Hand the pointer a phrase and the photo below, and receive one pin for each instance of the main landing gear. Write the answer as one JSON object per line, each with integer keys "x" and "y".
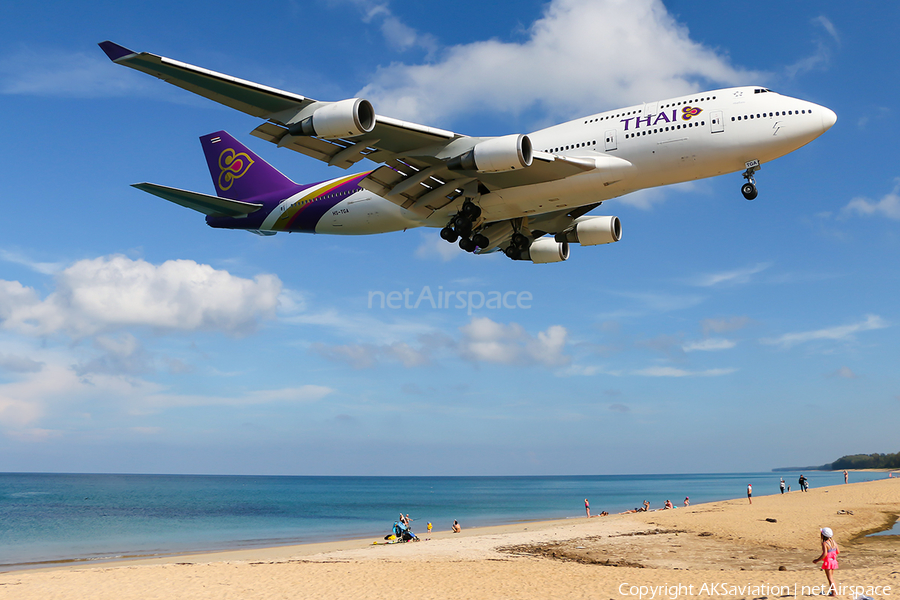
{"x": 518, "y": 244}
{"x": 749, "y": 189}
{"x": 460, "y": 227}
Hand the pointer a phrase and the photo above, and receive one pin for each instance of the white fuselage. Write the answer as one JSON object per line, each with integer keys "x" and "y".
{"x": 666, "y": 142}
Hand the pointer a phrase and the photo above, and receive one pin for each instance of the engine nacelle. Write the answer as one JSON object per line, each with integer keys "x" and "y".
{"x": 592, "y": 231}
{"x": 336, "y": 120}
{"x": 496, "y": 155}
{"x": 548, "y": 250}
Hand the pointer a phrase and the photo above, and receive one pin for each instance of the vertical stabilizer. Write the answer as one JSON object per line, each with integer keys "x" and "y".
{"x": 237, "y": 172}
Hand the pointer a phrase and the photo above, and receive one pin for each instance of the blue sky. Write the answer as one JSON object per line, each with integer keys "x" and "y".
{"x": 718, "y": 335}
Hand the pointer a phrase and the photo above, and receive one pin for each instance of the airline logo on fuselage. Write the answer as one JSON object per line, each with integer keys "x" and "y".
{"x": 687, "y": 113}
{"x": 233, "y": 165}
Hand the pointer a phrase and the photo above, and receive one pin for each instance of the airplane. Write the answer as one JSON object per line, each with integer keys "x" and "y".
{"x": 528, "y": 196}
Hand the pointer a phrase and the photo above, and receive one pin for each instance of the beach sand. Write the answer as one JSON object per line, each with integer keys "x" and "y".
{"x": 729, "y": 549}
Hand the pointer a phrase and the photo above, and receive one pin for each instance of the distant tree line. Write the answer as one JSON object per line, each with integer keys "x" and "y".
{"x": 854, "y": 461}
{"x": 867, "y": 461}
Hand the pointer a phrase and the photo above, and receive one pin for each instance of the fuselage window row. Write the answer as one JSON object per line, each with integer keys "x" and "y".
{"x": 776, "y": 114}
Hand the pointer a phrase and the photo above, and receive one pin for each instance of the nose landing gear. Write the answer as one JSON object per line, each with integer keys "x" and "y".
{"x": 749, "y": 189}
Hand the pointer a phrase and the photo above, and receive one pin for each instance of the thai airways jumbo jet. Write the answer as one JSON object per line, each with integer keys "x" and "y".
{"x": 527, "y": 195}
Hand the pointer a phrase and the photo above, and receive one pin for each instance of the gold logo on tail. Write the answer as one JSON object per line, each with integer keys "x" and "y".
{"x": 233, "y": 165}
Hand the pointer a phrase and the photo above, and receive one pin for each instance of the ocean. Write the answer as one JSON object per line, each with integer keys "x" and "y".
{"x": 48, "y": 518}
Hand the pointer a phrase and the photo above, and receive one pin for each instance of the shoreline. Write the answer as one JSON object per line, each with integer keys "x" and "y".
{"x": 356, "y": 543}
{"x": 723, "y": 549}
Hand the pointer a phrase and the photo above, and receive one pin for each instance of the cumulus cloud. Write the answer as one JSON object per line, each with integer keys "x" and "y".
{"x": 564, "y": 66}
{"x": 485, "y": 340}
{"x": 888, "y": 206}
{"x": 115, "y": 292}
{"x": 482, "y": 340}
{"x": 839, "y": 333}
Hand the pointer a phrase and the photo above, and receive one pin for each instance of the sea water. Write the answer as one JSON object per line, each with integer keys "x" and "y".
{"x": 54, "y": 518}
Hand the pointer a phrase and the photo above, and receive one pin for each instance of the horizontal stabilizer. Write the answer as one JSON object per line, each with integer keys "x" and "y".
{"x": 208, "y": 205}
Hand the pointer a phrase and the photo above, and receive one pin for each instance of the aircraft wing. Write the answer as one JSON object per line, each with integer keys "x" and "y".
{"x": 208, "y": 205}
{"x": 417, "y": 171}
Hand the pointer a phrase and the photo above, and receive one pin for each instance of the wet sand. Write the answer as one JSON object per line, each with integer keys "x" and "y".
{"x": 729, "y": 549}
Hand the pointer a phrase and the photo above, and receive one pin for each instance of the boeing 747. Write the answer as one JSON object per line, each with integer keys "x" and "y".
{"x": 526, "y": 195}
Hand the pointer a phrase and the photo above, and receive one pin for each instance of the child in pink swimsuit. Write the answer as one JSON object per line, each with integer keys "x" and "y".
{"x": 829, "y": 557}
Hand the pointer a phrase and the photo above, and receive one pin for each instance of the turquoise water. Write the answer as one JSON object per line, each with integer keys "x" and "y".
{"x": 49, "y": 518}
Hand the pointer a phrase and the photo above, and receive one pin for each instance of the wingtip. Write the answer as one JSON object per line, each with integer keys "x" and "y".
{"x": 114, "y": 51}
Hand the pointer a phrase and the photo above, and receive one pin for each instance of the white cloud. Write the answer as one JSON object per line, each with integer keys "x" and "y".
{"x": 19, "y": 364}
{"x": 581, "y": 55}
{"x": 482, "y": 341}
{"x": 485, "y": 340}
{"x": 709, "y": 345}
{"x": 115, "y": 292}
{"x": 45, "y": 268}
{"x": 395, "y": 32}
{"x": 839, "y": 333}
{"x": 888, "y": 206}
{"x": 735, "y": 276}
{"x": 433, "y": 245}
{"x": 821, "y": 56}
{"x": 366, "y": 356}
{"x": 673, "y": 372}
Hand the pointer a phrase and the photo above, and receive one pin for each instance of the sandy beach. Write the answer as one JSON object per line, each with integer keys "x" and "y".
{"x": 730, "y": 549}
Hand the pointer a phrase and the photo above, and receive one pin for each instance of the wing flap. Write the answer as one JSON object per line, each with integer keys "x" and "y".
{"x": 208, "y": 205}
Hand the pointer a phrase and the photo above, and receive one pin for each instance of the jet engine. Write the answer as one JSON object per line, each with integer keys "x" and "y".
{"x": 336, "y": 120}
{"x": 591, "y": 231}
{"x": 548, "y": 250}
{"x": 495, "y": 155}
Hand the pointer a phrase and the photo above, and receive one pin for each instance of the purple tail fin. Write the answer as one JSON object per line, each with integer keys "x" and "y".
{"x": 237, "y": 172}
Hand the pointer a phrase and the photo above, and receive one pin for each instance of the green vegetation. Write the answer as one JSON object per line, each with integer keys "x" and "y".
{"x": 867, "y": 461}
{"x": 854, "y": 461}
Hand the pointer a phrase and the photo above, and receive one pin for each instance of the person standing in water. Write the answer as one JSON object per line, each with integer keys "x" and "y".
{"x": 828, "y": 557}
{"x": 750, "y": 492}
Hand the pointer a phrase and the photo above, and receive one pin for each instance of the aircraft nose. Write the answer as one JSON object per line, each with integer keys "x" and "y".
{"x": 829, "y": 118}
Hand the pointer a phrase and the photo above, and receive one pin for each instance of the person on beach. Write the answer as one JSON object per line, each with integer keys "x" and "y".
{"x": 646, "y": 506}
{"x": 828, "y": 557}
{"x": 687, "y": 500}
{"x": 846, "y": 476}
{"x": 803, "y": 483}
{"x": 429, "y": 526}
{"x": 750, "y": 492}
{"x": 668, "y": 505}
{"x": 781, "y": 485}
{"x": 456, "y": 527}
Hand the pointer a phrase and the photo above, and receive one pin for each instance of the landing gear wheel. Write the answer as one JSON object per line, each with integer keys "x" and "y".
{"x": 472, "y": 211}
{"x": 449, "y": 235}
{"x": 520, "y": 241}
{"x": 467, "y": 244}
{"x": 512, "y": 252}
{"x": 749, "y": 191}
{"x": 462, "y": 225}
{"x": 480, "y": 240}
